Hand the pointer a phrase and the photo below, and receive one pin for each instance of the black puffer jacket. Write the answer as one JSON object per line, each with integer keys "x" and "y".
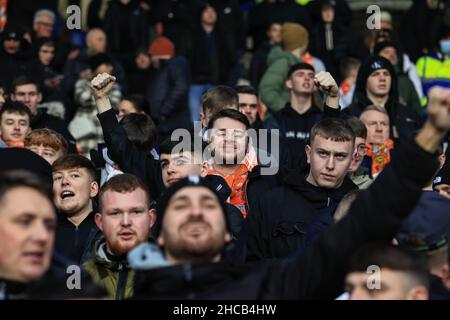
{"x": 278, "y": 224}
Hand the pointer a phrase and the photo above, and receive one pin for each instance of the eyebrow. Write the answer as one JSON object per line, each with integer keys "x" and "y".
{"x": 180, "y": 156}
{"x": 180, "y": 198}
{"x": 118, "y": 209}
{"x": 335, "y": 153}
{"x": 343, "y": 154}
{"x": 207, "y": 197}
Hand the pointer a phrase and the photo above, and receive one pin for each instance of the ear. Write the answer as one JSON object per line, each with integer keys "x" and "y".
{"x": 160, "y": 241}
{"x": 227, "y": 237}
{"x": 39, "y": 97}
{"x": 152, "y": 214}
{"x": 308, "y": 153}
{"x": 204, "y": 169}
{"x": 288, "y": 84}
{"x": 352, "y": 166}
{"x": 203, "y": 119}
{"x": 445, "y": 272}
{"x": 94, "y": 189}
{"x": 98, "y": 221}
{"x": 13, "y": 97}
{"x": 417, "y": 293}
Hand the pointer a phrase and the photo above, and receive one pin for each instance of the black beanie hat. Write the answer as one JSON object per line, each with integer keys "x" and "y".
{"x": 370, "y": 65}
{"x": 214, "y": 185}
{"x": 21, "y": 158}
{"x": 98, "y": 60}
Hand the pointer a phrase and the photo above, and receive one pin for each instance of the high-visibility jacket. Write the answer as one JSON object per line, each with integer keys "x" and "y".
{"x": 433, "y": 70}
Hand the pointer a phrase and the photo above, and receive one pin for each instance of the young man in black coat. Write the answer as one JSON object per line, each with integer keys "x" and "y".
{"x": 194, "y": 267}
{"x": 298, "y": 116}
{"x": 377, "y": 84}
{"x": 281, "y": 219}
{"x": 75, "y": 186}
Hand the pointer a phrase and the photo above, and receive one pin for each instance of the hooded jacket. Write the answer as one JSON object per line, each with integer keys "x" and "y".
{"x": 271, "y": 87}
{"x": 115, "y": 276}
{"x": 279, "y": 224}
{"x": 319, "y": 273}
{"x": 404, "y": 120}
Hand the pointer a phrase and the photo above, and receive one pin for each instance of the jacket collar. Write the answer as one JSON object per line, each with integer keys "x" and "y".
{"x": 318, "y": 196}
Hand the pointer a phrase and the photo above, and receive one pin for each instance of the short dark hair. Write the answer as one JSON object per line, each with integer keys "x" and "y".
{"x": 22, "y": 178}
{"x": 347, "y": 64}
{"x": 138, "y": 101}
{"x": 15, "y": 107}
{"x": 123, "y": 183}
{"x": 140, "y": 129}
{"x": 167, "y": 145}
{"x": 358, "y": 127}
{"x": 335, "y": 129}
{"x": 218, "y": 98}
{"x": 246, "y": 90}
{"x": 73, "y": 161}
{"x": 229, "y": 113}
{"x": 24, "y": 80}
{"x": 300, "y": 66}
{"x": 396, "y": 258}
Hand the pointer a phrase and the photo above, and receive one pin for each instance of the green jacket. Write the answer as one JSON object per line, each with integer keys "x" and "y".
{"x": 272, "y": 87}
{"x": 116, "y": 277}
{"x": 361, "y": 178}
{"x": 407, "y": 93}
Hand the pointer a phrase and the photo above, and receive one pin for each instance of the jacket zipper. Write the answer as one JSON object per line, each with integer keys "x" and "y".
{"x": 121, "y": 284}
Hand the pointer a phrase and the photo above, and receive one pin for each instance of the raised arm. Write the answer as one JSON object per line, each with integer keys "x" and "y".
{"x": 122, "y": 151}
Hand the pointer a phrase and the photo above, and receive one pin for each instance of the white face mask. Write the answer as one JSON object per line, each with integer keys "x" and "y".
{"x": 445, "y": 46}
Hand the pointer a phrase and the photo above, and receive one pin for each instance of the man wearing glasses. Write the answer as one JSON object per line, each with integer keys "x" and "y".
{"x": 235, "y": 159}
{"x": 357, "y": 173}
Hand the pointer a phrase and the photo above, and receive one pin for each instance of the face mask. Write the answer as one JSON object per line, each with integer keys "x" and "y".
{"x": 445, "y": 46}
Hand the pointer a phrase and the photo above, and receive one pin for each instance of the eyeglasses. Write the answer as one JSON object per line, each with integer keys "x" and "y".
{"x": 362, "y": 149}
{"x": 234, "y": 133}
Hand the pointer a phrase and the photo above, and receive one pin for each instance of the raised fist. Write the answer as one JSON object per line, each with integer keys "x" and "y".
{"x": 439, "y": 108}
{"x": 325, "y": 82}
{"x": 102, "y": 84}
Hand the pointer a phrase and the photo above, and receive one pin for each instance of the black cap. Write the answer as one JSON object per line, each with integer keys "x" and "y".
{"x": 21, "y": 158}
{"x": 214, "y": 184}
{"x": 12, "y": 33}
{"x": 427, "y": 227}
